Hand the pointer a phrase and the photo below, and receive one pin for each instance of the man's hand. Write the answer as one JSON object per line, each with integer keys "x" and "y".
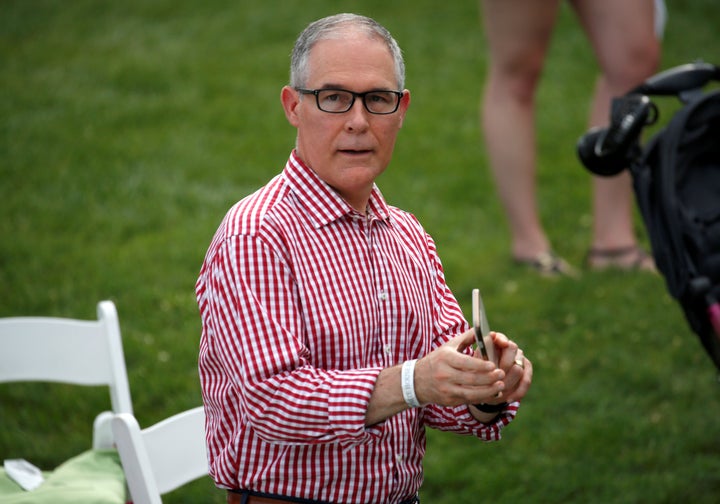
{"x": 518, "y": 369}
{"x": 448, "y": 376}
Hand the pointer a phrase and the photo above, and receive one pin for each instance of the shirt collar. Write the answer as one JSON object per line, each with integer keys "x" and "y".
{"x": 322, "y": 202}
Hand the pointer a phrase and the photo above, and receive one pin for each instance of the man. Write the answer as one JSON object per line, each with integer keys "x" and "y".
{"x": 330, "y": 339}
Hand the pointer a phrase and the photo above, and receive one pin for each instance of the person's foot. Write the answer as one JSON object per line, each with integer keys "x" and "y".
{"x": 548, "y": 264}
{"x": 630, "y": 258}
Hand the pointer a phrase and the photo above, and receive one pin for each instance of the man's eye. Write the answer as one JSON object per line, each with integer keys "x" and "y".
{"x": 335, "y": 97}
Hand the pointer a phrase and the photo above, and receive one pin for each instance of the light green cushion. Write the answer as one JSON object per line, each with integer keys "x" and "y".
{"x": 93, "y": 477}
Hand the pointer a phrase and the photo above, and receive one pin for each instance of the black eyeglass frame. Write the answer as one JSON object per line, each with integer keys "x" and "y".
{"x": 316, "y": 92}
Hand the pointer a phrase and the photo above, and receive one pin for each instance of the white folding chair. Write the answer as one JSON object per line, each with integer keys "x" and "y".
{"x": 71, "y": 351}
{"x": 162, "y": 457}
{"x": 81, "y": 352}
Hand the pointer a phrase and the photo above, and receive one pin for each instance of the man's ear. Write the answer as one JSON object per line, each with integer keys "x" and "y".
{"x": 290, "y": 100}
{"x": 404, "y": 104}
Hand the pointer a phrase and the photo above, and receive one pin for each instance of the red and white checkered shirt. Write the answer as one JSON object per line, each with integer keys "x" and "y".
{"x": 303, "y": 302}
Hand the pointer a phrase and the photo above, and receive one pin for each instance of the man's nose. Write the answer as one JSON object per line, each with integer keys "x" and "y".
{"x": 357, "y": 115}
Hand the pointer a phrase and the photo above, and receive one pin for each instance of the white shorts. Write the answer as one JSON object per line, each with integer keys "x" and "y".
{"x": 660, "y": 18}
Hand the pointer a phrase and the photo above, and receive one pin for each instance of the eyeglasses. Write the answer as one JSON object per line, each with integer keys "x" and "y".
{"x": 337, "y": 101}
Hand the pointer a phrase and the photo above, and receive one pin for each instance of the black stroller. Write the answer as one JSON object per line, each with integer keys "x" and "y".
{"x": 676, "y": 180}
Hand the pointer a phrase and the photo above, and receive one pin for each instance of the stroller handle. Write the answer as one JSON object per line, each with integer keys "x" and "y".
{"x": 679, "y": 79}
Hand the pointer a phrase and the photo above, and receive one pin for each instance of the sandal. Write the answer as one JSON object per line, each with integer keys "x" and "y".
{"x": 630, "y": 258}
{"x": 549, "y": 264}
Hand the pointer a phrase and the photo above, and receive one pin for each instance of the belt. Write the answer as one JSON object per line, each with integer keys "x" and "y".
{"x": 247, "y": 497}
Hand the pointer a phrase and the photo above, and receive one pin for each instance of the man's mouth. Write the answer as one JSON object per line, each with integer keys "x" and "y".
{"x": 355, "y": 152}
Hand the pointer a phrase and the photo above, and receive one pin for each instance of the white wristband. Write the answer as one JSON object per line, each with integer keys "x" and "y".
{"x": 407, "y": 380}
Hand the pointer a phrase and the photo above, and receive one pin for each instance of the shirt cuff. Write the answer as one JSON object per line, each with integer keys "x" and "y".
{"x": 493, "y": 431}
{"x": 350, "y": 393}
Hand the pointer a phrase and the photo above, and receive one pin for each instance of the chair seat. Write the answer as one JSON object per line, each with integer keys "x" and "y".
{"x": 93, "y": 477}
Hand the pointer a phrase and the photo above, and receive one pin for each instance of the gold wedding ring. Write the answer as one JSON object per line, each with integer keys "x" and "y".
{"x": 520, "y": 362}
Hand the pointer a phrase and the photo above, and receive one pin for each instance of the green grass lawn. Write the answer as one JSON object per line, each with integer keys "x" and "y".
{"x": 128, "y": 128}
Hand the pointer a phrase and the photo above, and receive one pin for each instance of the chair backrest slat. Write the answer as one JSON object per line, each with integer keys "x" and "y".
{"x": 80, "y": 352}
{"x": 162, "y": 457}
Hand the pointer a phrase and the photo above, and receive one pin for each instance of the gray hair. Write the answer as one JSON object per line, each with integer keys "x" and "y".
{"x": 334, "y": 27}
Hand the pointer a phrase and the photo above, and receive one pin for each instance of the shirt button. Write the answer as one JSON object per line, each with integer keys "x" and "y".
{"x": 399, "y": 458}
{"x": 388, "y": 349}
{"x": 383, "y": 295}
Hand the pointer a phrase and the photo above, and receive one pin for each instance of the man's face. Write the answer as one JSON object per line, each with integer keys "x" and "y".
{"x": 348, "y": 150}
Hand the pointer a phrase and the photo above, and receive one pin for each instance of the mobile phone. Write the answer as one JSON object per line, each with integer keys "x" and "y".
{"x": 482, "y": 328}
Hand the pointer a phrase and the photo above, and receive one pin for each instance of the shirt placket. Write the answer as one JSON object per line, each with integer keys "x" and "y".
{"x": 387, "y": 328}
{"x": 387, "y": 333}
